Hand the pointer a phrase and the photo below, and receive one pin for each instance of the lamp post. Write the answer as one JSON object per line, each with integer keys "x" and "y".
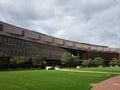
{"x": 45, "y": 62}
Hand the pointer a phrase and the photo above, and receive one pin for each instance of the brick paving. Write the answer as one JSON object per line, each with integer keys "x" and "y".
{"x": 109, "y": 84}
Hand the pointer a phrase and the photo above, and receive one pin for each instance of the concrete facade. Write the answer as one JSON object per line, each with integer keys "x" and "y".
{"x": 16, "y": 41}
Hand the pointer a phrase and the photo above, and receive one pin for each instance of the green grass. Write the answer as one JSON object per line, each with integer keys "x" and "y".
{"x": 48, "y": 80}
{"x": 100, "y": 69}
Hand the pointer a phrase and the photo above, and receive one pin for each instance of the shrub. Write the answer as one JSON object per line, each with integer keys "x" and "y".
{"x": 39, "y": 61}
{"x": 114, "y": 62}
{"x": 68, "y": 59}
{"x": 18, "y": 61}
{"x": 98, "y": 61}
{"x": 88, "y": 63}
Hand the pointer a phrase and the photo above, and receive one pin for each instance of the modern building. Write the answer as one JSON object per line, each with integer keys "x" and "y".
{"x": 16, "y": 41}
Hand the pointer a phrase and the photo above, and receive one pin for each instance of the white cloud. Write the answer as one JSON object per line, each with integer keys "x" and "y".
{"x": 90, "y": 21}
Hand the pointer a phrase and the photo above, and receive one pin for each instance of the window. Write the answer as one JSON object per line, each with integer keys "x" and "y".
{"x": 23, "y": 33}
{"x": 1, "y": 27}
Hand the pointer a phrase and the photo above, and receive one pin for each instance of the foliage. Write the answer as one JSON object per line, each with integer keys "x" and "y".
{"x": 3, "y": 62}
{"x": 88, "y": 63}
{"x": 18, "y": 60}
{"x": 114, "y": 62}
{"x": 68, "y": 59}
{"x": 1, "y": 55}
{"x": 39, "y": 61}
{"x": 98, "y": 61}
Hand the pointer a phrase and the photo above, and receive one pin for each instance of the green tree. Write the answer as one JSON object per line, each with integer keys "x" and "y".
{"x": 19, "y": 61}
{"x": 39, "y": 61}
{"x": 2, "y": 61}
{"x": 88, "y": 63}
{"x": 68, "y": 59}
{"x": 1, "y": 55}
{"x": 98, "y": 61}
{"x": 75, "y": 60}
{"x": 114, "y": 62}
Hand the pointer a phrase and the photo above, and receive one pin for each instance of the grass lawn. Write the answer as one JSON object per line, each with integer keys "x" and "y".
{"x": 100, "y": 69}
{"x": 49, "y": 80}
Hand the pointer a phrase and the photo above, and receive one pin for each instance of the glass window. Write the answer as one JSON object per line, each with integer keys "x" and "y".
{"x": 1, "y": 27}
{"x": 23, "y": 33}
{"x": 0, "y": 39}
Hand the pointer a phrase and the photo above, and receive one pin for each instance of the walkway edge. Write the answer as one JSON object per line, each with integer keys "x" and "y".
{"x": 88, "y": 71}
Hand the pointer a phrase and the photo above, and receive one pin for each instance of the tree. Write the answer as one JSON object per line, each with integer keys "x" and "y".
{"x": 98, "y": 61}
{"x": 1, "y": 55}
{"x": 68, "y": 59}
{"x": 114, "y": 62}
{"x": 88, "y": 63}
{"x": 2, "y": 61}
{"x": 75, "y": 60}
{"x": 39, "y": 61}
{"x": 18, "y": 61}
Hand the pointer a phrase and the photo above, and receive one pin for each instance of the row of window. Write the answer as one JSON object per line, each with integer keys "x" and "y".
{"x": 24, "y": 43}
{"x": 10, "y": 51}
{"x": 18, "y": 47}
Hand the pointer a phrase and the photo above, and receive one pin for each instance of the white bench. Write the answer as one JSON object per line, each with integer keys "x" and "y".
{"x": 49, "y": 67}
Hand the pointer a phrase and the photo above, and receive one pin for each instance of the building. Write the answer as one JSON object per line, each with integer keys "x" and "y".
{"x": 16, "y": 41}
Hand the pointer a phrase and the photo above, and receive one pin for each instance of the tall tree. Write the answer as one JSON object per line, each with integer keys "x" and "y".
{"x": 88, "y": 63}
{"x": 98, "y": 61}
{"x": 39, "y": 61}
{"x": 68, "y": 59}
{"x": 1, "y": 55}
{"x": 2, "y": 61}
{"x": 114, "y": 62}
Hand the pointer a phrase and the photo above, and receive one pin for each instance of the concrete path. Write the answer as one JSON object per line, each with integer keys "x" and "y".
{"x": 89, "y": 71}
{"x": 109, "y": 84}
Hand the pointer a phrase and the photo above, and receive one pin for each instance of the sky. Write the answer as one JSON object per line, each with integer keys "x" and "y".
{"x": 87, "y": 21}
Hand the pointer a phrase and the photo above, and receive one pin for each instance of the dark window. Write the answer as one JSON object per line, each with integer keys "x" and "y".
{"x": 17, "y": 41}
{"x": 20, "y": 42}
{"x": 27, "y": 43}
{"x": 6, "y": 40}
{"x": 1, "y": 27}
{"x": 0, "y": 39}
{"x": 23, "y": 33}
{"x": 3, "y": 39}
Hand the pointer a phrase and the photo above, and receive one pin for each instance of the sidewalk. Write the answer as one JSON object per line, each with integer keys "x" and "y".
{"x": 109, "y": 84}
{"x": 68, "y": 70}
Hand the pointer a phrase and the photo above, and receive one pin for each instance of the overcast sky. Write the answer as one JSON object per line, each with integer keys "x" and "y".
{"x": 87, "y": 21}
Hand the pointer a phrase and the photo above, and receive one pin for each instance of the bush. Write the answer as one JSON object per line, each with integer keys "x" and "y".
{"x": 1, "y": 55}
{"x": 39, "y": 61}
{"x": 68, "y": 59}
{"x": 18, "y": 61}
{"x": 98, "y": 61}
{"x": 88, "y": 63}
{"x": 114, "y": 62}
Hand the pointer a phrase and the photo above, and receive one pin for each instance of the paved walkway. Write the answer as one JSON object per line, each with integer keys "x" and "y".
{"x": 89, "y": 71}
{"x": 109, "y": 84}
